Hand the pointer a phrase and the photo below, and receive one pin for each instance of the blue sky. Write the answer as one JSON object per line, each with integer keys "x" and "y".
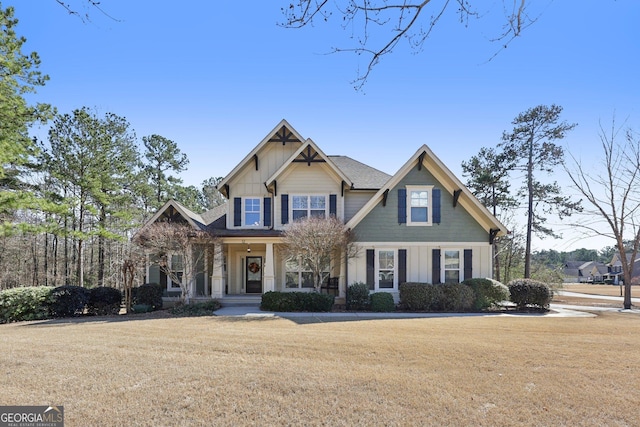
{"x": 216, "y": 77}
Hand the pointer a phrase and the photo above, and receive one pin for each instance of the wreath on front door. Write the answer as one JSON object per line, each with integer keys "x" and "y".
{"x": 254, "y": 267}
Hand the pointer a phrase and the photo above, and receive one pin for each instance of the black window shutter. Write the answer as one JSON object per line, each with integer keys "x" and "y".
{"x": 333, "y": 205}
{"x": 402, "y": 266}
{"x": 284, "y": 208}
{"x": 266, "y": 218}
{"x": 371, "y": 269}
{"x": 435, "y": 266}
{"x": 468, "y": 264}
{"x": 435, "y": 195}
{"x": 402, "y": 206}
{"x": 237, "y": 212}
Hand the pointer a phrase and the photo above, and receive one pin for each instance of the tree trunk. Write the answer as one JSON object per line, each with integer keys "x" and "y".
{"x": 101, "y": 244}
{"x": 527, "y": 253}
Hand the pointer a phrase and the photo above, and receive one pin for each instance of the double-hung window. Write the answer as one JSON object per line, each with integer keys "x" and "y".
{"x": 308, "y": 206}
{"x": 252, "y": 212}
{"x": 177, "y": 271}
{"x": 419, "y": 205}
{"x": 386, "y": 268}
{"x": 297, "y": 276}
{"x": 452, "y": 266}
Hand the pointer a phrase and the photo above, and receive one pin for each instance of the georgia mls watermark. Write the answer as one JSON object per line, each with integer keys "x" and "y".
{"x": 31, "y": 416}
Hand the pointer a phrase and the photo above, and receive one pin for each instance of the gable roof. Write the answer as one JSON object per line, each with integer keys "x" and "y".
{"x": 170, "y": 208}
{"x": 362, "y": 177}
{"x": 308, "y": 152}
{"x": 283, "y": 132}
{"x": 424, "y": 157}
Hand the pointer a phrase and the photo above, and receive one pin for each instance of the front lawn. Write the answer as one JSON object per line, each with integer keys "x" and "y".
{"x": 493, "y": 371}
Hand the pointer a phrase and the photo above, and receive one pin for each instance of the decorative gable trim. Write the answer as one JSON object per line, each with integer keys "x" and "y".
{"x": 308, "y": 153}
{"x": 446, "y": 180}
{"x": 284, "y": 135}
{"x": 283, "y": 132}
{"x": 193, "y": 219}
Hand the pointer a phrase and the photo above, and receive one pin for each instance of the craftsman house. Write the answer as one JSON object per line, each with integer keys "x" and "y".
{"x": 420, "y": 224}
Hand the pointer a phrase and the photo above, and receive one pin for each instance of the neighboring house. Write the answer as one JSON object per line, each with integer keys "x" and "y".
{"x": 615, "y": 275}
{"x": 584, "y": 271}
{"x": 419, "y": 225}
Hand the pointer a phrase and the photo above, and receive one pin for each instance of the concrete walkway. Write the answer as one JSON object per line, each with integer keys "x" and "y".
{"x": 556, "y": 310}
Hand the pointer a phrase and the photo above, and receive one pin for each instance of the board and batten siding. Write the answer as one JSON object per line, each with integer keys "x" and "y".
{"x": 381, "y": 223}
{"x": 249, "y": 182}
{"x": 301, "y": 179}
{"x": 420, "y": 261}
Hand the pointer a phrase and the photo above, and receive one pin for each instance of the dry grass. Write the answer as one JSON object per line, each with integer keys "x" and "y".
{"x": 609, "y": 290}
{"x": 485, "y": 371}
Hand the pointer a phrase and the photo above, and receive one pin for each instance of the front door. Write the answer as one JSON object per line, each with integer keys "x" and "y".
{"x": 254, "y": 275}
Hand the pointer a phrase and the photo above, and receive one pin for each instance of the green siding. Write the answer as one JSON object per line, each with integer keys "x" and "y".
{"x": 381, "y": 224}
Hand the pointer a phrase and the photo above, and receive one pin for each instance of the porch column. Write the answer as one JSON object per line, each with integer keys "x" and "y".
{"x": 269, "y": 271}
{"x": 342, "y": 280}
{"x": 217, "y": 276}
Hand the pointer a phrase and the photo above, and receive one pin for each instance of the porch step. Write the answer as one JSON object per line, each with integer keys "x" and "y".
{"x": 244, "y": 300}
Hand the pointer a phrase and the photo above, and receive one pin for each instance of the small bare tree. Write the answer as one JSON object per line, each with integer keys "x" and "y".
{"x": 316, "y": 243}
{"x": 165, "y": 239}
{"x": 613, "y": 192}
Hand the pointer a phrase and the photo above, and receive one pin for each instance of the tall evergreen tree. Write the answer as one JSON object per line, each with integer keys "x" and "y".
{"x": 93, "y": 160}
{"x": 19, "y": 76}
{"x": 163, "y": 156}
{"x": 531, "y": 145}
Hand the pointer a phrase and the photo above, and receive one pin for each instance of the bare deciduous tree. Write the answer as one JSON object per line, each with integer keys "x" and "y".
{"x": 167, "y": 239}
{"x": 379, "y": 25}
{"x": 317, "y": 243}
{"x": 613, "y": 193}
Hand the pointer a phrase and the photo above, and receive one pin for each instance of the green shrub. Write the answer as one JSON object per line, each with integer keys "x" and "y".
{"x": 420, "y": 296}
{"x": 530, "y": 293}
{"x": 141, "y": 308}
{"x": 148, "y": 294}
{"x": 358, "y": 296}
{"x": 104, "y": 301}
{"x": 31, "y": 303}
{"x": 69, "y": 300}
{"x": 456, "y": 297}
{"x": 487, "y": 293}
{"x": 296, "y": 301}
{"x": 382, "y": 302}
{"x": 196, "y": 309}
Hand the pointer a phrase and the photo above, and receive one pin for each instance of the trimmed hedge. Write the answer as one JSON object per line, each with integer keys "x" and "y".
{"x": 148, "y": 294}
{"x": 488, "y": 293}
{"x": 197, "y": 309}
{"x": 104, "y": 301}
{"x": 25, "y": 303}
{"x": 526, "y": 293}
{"x": 440, "y": 297}
{"x": 420, "y": 296}
{"x": 69, "y": 301}
{"x": 456, "y": 297}
{"x": 357, "y": 297}
{"x": 382, "y": 302}
{"x": 296, "y": 301}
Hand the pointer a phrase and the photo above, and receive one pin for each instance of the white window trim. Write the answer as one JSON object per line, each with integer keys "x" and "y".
{"x": 444, "y": 268}
{"x": 376, "y": 261}
{"x": 244, "y": 211}
{"x": 429, "y": 190}
{"x": 299, "y": 271}
{"x": 308, "y": 196}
